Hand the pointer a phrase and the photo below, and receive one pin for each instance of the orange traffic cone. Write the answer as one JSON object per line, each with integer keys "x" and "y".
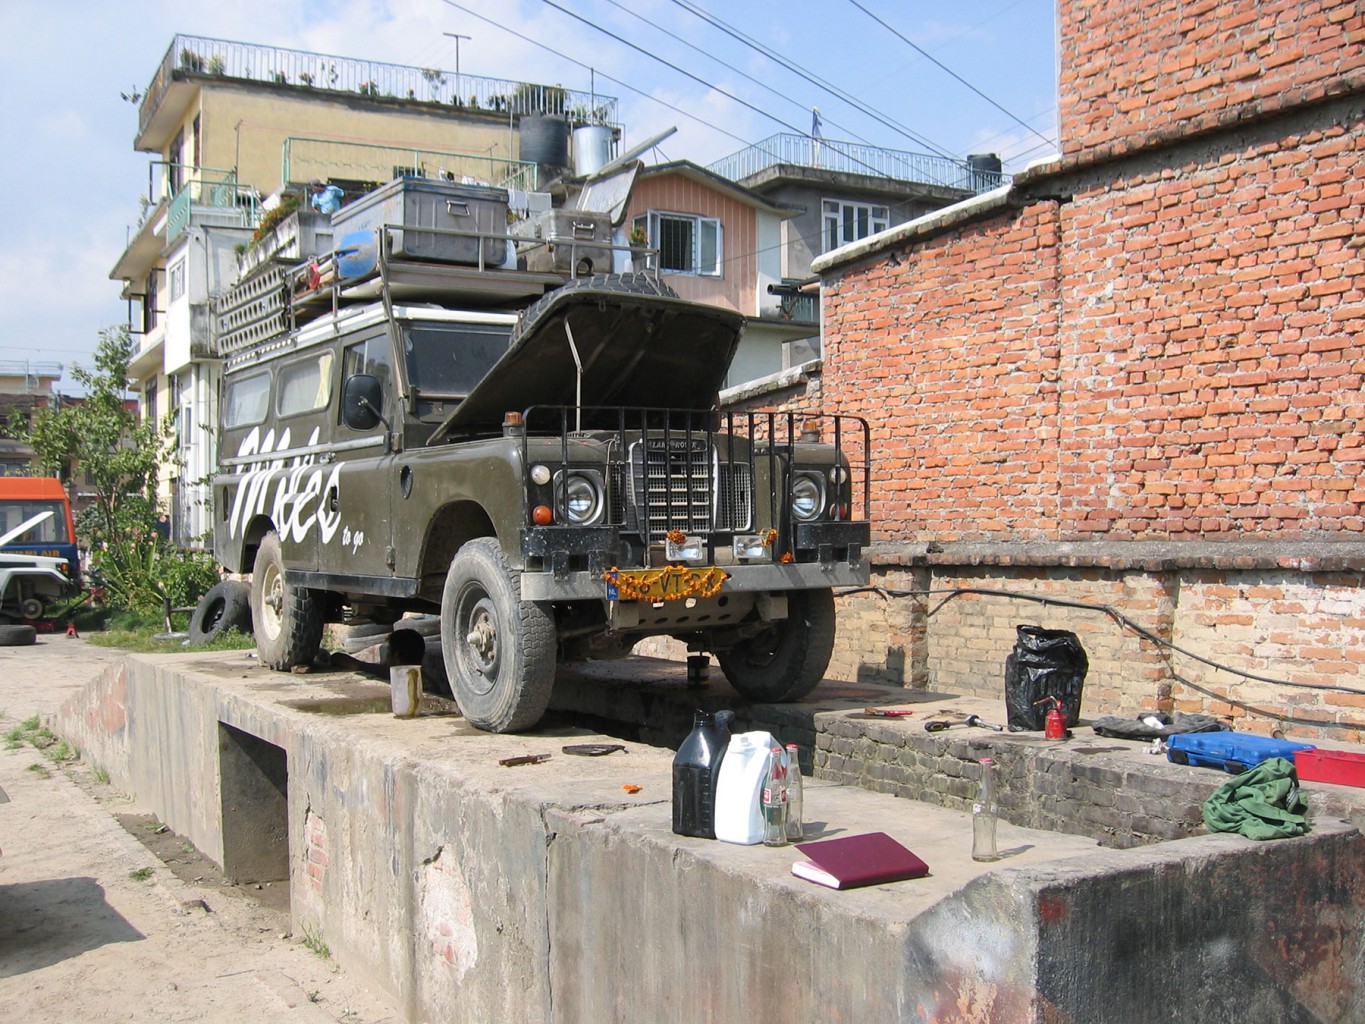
{"x": 71, "y": 630}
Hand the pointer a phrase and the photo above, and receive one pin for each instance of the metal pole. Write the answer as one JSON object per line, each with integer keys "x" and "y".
{"x": 457, "y": 37}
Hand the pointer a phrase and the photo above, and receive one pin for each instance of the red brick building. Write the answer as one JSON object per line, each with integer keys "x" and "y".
{"x": 1134, "y": 379}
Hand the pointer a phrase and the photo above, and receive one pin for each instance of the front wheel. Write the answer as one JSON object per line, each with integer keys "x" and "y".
{"x": 499, "y": 650}
{"x": 788, "y": 659}
{"x": 286, "y": 619}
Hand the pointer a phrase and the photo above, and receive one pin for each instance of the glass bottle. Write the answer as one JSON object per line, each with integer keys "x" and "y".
{"x": 984, "y": 814}
{"x": 775, "y": 799}
{"x": 794, "y": 796}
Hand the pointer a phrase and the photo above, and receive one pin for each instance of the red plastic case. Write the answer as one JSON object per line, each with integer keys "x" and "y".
{"x": 1338, "y": 766}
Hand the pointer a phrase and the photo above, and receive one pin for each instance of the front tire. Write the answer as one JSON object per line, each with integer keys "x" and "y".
{"x": 287, "y": 619}
{"x": 499, "y": 650}
{"x": 787, "y": 660}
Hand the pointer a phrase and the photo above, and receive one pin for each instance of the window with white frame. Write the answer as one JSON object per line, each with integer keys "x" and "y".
{"x": 848, "y": 222}
{"x": 687, "y": 244}
{"x": 177, "y": 275}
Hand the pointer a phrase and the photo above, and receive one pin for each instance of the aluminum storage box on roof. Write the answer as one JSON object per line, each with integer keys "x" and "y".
{"x": 561, "y": 241}
{"x": 432, "y": 221}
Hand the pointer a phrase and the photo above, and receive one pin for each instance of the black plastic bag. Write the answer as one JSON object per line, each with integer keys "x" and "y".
{"x": 1045, "y": 663}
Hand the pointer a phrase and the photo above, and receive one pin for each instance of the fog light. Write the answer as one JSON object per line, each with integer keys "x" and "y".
{"x": 751, "y": 545}
{"x": 688, "y": 549}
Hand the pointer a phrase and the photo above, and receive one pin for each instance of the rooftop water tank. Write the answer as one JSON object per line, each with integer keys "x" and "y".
{"x": 591, "y": 149}
{"x": 545, "y": 141}
{"x": 984, "y": 170}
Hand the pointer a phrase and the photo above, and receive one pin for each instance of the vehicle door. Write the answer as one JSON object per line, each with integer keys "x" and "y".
{"x": 305, "y": 385}
{"x": 360, "y": 491}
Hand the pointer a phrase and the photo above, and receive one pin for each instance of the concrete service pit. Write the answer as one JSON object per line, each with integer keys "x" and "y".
{"x": 550, "y": 892}
{"x": 254, "y": 787}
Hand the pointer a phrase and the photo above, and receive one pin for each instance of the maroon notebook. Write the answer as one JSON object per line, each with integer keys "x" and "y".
{"x": 851, "y": 861}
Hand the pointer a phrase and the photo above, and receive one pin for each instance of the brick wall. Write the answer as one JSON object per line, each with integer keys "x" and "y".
{"x": 1213, "y": 340}
{"x": 950, "y": 349}
{"x": 1133, "y": 71}
{"x": 1159, "y": 339}
{"x": 1177, "y": 352}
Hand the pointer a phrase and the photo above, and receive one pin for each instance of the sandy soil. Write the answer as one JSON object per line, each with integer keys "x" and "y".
{"x": 102, "y": 922}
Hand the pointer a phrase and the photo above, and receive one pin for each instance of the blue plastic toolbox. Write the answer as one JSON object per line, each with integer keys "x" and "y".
{"x": 1233, "y": 752}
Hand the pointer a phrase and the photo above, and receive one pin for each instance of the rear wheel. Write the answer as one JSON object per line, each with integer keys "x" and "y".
{"x": 787, "y": 660}
{"x": 499, "y": 650}
{"x": 287, "y": 619}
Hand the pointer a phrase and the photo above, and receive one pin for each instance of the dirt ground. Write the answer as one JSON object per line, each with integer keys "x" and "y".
{"x": 105, "y": 915}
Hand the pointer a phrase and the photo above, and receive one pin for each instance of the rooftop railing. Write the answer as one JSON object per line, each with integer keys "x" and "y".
{"x": 304, "y": 70}
{"x": 855, "y": 158}
{"x": 305, "y": 158}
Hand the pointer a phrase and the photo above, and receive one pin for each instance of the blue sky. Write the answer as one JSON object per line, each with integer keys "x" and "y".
{"x": 72, "y": 200}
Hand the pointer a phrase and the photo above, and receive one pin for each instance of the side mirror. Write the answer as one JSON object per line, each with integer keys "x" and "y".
{"x": 361, "y": 399}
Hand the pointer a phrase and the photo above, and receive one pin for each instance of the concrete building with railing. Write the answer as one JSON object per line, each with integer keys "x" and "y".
{"x": 225, "y": 125}
{"x": 829, "y": 193}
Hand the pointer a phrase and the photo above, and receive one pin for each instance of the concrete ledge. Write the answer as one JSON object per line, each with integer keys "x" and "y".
{"x": 470, "y": 891}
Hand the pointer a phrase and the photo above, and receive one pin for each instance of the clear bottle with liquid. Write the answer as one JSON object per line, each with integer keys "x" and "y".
{"x": 795, "y": 800}
{"x": 774, "y": 798}
{"x": 985, "y": 812}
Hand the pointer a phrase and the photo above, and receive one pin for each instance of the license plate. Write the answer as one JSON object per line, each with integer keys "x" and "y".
{"x": 671, "y": 583}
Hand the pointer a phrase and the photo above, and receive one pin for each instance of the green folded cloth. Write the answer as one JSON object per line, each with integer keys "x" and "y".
{"x": 1263, "y": 803}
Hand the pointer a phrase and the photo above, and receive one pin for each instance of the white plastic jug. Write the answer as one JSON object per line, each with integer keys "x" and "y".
{"x": 739, "y": 809}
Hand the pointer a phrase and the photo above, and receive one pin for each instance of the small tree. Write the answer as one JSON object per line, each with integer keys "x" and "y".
{"x": 120, "y": 456}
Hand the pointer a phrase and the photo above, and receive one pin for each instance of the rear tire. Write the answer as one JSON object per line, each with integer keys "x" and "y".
{"x": 499, "y": 650}
{"x": 787, "y": 660}
{"x": 287, "y": 619}
{"x": 227, "y": 605}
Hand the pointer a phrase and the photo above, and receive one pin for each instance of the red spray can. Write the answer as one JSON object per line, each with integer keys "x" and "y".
{"x": 1055, "y": 726}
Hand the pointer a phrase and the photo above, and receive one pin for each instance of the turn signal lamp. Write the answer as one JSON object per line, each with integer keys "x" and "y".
{"x": 542, "y": 516}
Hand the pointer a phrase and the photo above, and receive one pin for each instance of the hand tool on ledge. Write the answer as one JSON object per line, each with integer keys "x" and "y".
{"x": 939, "y": 724}
{"x": 882, "y": 713}
{"x": 512, "y": 762}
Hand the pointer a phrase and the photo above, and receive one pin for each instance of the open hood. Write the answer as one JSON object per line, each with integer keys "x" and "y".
{"x": 635, "y": 350}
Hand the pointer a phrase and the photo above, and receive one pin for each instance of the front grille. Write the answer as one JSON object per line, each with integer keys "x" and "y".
{"x": 680, "y": 485}
{"x": 671, "y": 485}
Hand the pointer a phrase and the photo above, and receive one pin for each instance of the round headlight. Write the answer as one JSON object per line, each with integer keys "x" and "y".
{"x": 808, "y": 497}
{"x": 582, "y": 499}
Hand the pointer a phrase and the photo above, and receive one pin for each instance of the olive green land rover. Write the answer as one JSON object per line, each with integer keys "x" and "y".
{"x": 558, "y": 485}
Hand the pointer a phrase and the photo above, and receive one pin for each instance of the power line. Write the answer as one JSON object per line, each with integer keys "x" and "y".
{"x": 710, "y": 85}
{"x": 730, "y": 67}
{"x": 815, "y": 80}
{"x": 939, "y": 64}
{"x": 599, "y": 73}
{"x": 625, "y": 85}
{"x": 645, "y": 95}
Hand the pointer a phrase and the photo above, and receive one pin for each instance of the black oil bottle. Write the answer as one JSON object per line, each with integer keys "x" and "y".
{"x": 696, "y": 767}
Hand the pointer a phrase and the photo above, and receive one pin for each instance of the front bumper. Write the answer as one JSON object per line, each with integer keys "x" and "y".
{"x": 587, "y": 586}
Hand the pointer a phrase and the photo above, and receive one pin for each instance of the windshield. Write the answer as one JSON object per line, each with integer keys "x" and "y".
{"x": 449, "y": 359}
{"x": 51, "y": 530}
